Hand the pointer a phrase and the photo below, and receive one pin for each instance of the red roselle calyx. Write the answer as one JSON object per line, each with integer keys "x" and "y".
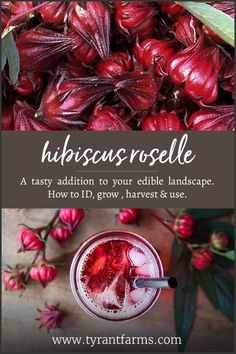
{"x": 202, "y": 259}
{"x": 106, "y": 119}
{"x": 82, "y": 51}
{"x": 184, "y": 225}
{"x": 13, "y": 278}
{"x": 198, "y": 70}
{"x": 213, "y": 119}
{"x": 29, "y": 241}
{"x": 155, "y": 52}
{"x": 50, "y": 317}
{"x": 172, "y": 9}
{"x": 60, "y": 234}
{"x": 127, "y": 216}
{"x": 227, "y": 75}
{"x": 65, "y": 100}
{"x": 53, "y": 12}
{"x": 162, "y": 122}
{"x": 21, "y": 11}
{"x": 71, "y": 217}
{"x": 185, "y": 29}
{"x": 7, "y": 118}
{"x": 137, "y": 89}
{"x": 43, "y": 272}
{"x": 40, "y": 48}
{"x": 219, "y": 241}
{"x": 135, "y": 19}
{"x": 92, "y": 21}
{"x": 118, "y": 63}
{"x": 28, "y": 82}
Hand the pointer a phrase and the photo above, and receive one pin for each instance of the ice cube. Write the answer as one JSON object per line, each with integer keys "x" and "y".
{"x": 137, "y": 257}
{"x": 143, "y": 270}
{"x": 137, "y": 295}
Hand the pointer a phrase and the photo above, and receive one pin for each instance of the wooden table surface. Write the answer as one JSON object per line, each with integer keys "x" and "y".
{"x": 212, "y": 332}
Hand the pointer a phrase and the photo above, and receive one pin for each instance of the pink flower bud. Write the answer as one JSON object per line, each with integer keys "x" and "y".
{"x": 13, "y": 278}
{"x": 40, "y": 48}
{"x": 28, "y": 82}
{"x": 221, "y": 118}
{"x": 65, "y": 100}
{"x": 29, "y": 241}
{"x": 185, "y": 29}
{"x": 53, "y": 12}
{"x": 137, "y": 89}
{"x": 155, "y": 52}
{"x": 135, "y": 19}
{"x": 184, "y": 225}
{"x": 162, "y": 122}
{"x": 82, "y": 51}
{"x": 60, "y": 234}
{"x": 50, "y": 317}
{"x": 106, "y": 119}
{"x": 202, "y": 259}
{"x": 127, "y": 216}
{"x": 43, "y": 272}
{"x": 219, "y": 241}
{"x": 71, "y": 217}
{"x": 92, "y": 21}
{"x": 118, "y": 63}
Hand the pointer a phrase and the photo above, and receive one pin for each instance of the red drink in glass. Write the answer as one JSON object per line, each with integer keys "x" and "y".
{"x": 103, "y": 270}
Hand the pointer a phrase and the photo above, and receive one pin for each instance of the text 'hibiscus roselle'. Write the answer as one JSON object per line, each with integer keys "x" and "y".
{"x": 139, "y": 58}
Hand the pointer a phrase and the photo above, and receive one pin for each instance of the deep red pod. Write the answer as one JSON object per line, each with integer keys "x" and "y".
{"x": 172, "y": 9}
{"x": 227, "y": 75}
{"x": 82, "y": 51}
{"x": 21, "y": 11}
{"x": 155, "y": 52}
{"x": 184, "y": 226}
{"x": 28, "y": 82}
{"x": 202, "y": 259}
{"x": 92, "y": 21}
{"x": 137, "y": 89}
{"x": 7, "y": 117}
{"x": 40, "y": 48}
{"x": 50, "y": 317}
{"x": 219, "y": 119}
{"x": 162, "y": 122}
{"x": 105, "y": 118}
{"x": 74, "y": 68}
{"x": 135, "y": 19}
{"x": 185, "y": 29}
{"x": 118, "y": 63}
{"x": 53, "y": 12}
{"x": 65, "y": 100}
{"x": 127, "y": 216}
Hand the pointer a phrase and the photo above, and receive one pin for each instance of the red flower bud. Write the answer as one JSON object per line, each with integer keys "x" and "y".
{"x": 137, "y": 89}
{"x": 135, "y": 19}
{"x": 71, "y": 217}
{"x": 65, "y": 100}
{"x": 184, "y": 225}
{"x": 28, "y": 82}
{"x": 92, "y": 21}
{"x": 7, "y": 117}
{"x": 221, "y": 118}
{"x": 118, "y": 63}
{"x": 219, "y": 241}
{"x": 13, "y": 278}
{"x": 40, "y": 48}
{"x": 74, "y": 68}
{"x": 185, "y": 29}
{"x": 198, "y": 71}
{"x": 127, "y": 216}
{"x": 82, "y": 51}
{"x": 43, "y": 272}
{"x": 155, "y": 52}
{"x": 227, "y": 75}
{"x": 50, "y": 317}
{"x": 21, "y": 11}
{"x": 29, "y": 241}
{"x": 53, "y": 12}
{"x": 60, "y": 234}
{"x": 106, "y": 119}
{"x": 172, "y": 9}
{"x": 162, "y": 121}
{"x": 202, "y": 259}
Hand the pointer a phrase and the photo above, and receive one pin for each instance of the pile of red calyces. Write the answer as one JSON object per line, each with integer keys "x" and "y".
{"x": 117, "y": 66}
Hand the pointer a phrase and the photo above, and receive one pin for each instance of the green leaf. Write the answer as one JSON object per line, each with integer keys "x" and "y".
{"x": 219, "y": 22}
{"x": 207, "y": 283}
{"x": 185, "y": 302}
{"x": 10, "y": 55}
{"x": 230, "y": 255}
{"x": 207, "y": 213}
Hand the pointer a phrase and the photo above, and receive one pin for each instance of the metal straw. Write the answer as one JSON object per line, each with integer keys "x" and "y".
{"x": 155, "y": 283}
